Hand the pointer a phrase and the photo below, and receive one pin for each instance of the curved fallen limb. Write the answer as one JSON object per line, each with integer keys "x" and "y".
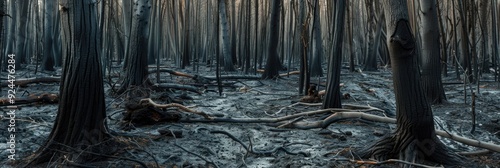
{"x": 267, "y": 120}
{"x": 149, "y": 102}
{"x": 345, "y": 115}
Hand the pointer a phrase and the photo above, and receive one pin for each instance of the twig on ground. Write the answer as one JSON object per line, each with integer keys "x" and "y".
{"x": 290, "y": 122}
{"x": 479, "y": 152}
{"x": 258, "y": 152}
{"x": 197, "y": 155}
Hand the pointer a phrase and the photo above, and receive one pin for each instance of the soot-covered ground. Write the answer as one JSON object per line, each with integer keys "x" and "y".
{"x": 207, "y": 144}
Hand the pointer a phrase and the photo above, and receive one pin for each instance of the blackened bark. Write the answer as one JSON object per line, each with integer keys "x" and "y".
{"x": 303, "y": 39}
{"x": 48, "y": 54}
{"x": 226, "y": 51}
{"x": 317, "y": 48}
{"x": 186, "y": 55}
{"x": 22, "y": 12}
{"x": 431, "y": 55}
{"x": 80, "y": 122}
{"x": 415, "y": 137}
{"x": 332, "y": 97}
{"x": 136, "y": 68}
{"x": 273, "y": 64}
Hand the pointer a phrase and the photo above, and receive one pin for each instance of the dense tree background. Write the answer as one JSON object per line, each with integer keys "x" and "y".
{"x": 467, "y": 35}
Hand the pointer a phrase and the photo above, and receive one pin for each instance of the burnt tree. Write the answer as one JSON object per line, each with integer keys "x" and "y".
{"x": 332, "y": 97}
{"x": 80, "y": 123}
{"x": 415, "y": 137}
{"x": 136, "y": 68}
{"x": 48, "y": 36}
{"x": 273, "y": 63}
{"x": 317, "y": 48}
{"x": 431, "y": 55}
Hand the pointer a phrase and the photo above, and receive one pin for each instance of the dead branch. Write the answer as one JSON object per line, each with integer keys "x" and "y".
{"x": 345, "y": 115}
{"x": 207, "y": 79}
{"x": 234, "y": 77}
{"x": 46, "y": 98}
{"x": 172, "y": 72}
{"x": 283, "y": 74}
{"x": 26, "y": 81}
{"x": 149, "y": 102}
{"x": 341, "y": 114}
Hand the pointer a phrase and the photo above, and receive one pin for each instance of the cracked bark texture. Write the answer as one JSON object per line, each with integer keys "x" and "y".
{"x": 414, "y": 139}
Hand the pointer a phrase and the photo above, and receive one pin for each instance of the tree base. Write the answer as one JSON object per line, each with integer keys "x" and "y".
{"x": 55, "y": 153}
{"x": 411, "y": 149}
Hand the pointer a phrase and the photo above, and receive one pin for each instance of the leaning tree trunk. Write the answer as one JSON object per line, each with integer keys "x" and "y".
{"x": 332, "y": 97}
{"x": 273, "y": 63}
{"x": 431, "y": 56}
{"x": 136, "y": 68}
{"x": 80, "y": 122}
{"x": 415, "y": 137}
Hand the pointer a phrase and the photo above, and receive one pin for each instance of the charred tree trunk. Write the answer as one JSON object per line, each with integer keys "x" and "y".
{"x": 228, "y": 59}
{"x": 136, "y": 68}
{"x": 303, "y": 38}
{"x": 48, "y": 57}
{"x": 332, "y": 97}
{"x": 186, "y": 54}
{"x": 494, "y": 33}
{"x": 317, "y": 43}
{"x": 80, "y": 122}
{"x": 273, "y": 64}
{"x": 431, "y": 56}
{"x": 465, "y": 48}
{"x": 415, "y": 137}
{"x": 21, "y": 26}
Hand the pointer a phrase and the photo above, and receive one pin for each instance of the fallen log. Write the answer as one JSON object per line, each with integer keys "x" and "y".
{"x": 207, "y": 79}
{"x": 24, "y": 82}
{"x": 172, "y": 72}
{"x": 283, "y": 74}
{"x": 46, "y": 98}
{"x": 234, "y": 77}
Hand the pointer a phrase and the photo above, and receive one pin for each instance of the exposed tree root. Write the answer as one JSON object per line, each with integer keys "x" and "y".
{"x": 410, "y": 149}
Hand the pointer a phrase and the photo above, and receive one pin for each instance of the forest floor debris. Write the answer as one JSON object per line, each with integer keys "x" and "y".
{"x": 191, "y": 142}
